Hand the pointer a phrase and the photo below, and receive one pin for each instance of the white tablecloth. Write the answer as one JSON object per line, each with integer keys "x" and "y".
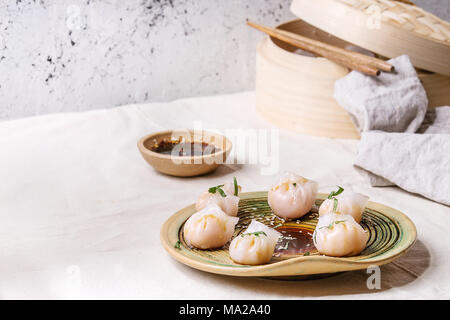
{"x": 81, "y": 211}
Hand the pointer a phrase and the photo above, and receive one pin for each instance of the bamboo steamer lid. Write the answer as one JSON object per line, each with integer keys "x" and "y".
{"x": 386, "y": 27}
{"x": 295, "y": 91}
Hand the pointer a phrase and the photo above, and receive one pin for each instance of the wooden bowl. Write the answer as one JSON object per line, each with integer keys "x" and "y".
{"x": 391, "y": 234}
{"x": 185, "y": 166}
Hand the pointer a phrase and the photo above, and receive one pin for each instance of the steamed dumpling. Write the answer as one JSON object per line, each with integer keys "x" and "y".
{"x": 228, "y": 203}
{"x": 255, "y": 245}
{"x": 293, "y": 196}
{"x": 348, "y": 203}
{"x": 339, "y": 235}
{"x": 209, "y": 228}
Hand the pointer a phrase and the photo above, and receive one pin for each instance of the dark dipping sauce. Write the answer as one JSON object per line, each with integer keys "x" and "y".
{"x": 299, "y": 241}
{"x": 184, "y": 149}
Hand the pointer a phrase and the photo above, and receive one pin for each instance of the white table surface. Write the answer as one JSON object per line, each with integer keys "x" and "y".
{"x": 81, "y": 210}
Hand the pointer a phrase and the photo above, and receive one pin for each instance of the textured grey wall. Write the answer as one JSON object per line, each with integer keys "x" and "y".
{"x": 71, "y": 55}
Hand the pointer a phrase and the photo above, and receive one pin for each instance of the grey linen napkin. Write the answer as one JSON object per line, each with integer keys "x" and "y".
{"x": 388, "y": 110}
{"x": 418, "y": 163}
{"x": 391, "y": 102}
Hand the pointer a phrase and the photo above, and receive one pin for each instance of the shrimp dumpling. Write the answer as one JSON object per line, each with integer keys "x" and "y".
{"x": 349, "y": 203}
{"x": 226, "y": 196}
{"x": 339, "y": 235}
{"x": 293, "y": 196}
{"x": 209, "y": 228}
{"x": 255, "y": 245}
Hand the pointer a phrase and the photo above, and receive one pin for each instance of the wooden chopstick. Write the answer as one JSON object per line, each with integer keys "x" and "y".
{"x": 350, "y": 59}
{"x": 407, "y": 2}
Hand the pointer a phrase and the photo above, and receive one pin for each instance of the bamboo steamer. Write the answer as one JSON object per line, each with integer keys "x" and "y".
{"x": 390, "y": 28}
{"x": 295, "y": 91}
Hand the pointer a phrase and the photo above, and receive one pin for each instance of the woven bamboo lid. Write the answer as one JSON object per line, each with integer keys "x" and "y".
{"x": 387, "y": 27}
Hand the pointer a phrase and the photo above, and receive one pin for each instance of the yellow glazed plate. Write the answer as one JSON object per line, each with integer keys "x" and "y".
{"x": 391, "y": 234}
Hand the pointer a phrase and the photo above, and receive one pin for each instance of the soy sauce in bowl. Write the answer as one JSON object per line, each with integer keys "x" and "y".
{"x": 184, "y": 153}
{"x": 184, "y": 149}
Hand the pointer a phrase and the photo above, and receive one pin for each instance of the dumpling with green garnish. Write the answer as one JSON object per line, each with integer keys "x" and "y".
{"x": 339, "y": 235}
{"x": 255, "y": 245}
{"x": 226, "y": 196}
{"x": 293, "y": 196}
{"x": 209, "y": 228}
{"x": 348, "y": 203}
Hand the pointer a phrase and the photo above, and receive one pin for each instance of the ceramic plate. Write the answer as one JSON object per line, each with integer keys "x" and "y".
{"x": 391, "y": 234}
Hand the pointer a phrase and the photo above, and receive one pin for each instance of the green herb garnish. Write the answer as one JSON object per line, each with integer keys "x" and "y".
{"x": 335, "y": 204}
{"x": 306, "y": 253}
{"x": 332, "y": 224}
{"x": 221, "y": 192}
{"x": 335, "y": 193}
{"x": 177, "y": 245}
{"x": 236, "y": 187}
{"x": 295, "y": 184}
{"x": 257, "y": 233}
{"x": 217, "y": 189}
